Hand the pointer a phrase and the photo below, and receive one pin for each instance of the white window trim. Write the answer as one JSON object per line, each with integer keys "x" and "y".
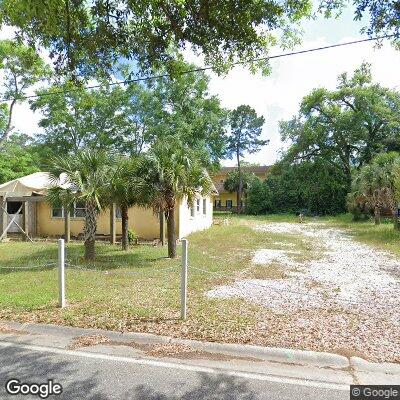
{"x": 72, "y": 216}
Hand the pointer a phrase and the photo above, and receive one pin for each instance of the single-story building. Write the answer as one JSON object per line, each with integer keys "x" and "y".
{"x": 225, "y": 200}
{"x": 23, "y": 206}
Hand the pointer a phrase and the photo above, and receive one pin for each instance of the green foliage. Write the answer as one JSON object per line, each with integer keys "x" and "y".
{"x": 185, "y": 109}
{"x": 18, "y": 157}
{"x": 85, "y": 37}
{"x": 259, "y": 198}
{"x": 132, "y": 236}
{"x": 383, "y": 15}
{"x": 109, "y": 118}
{"x": 376, "y": 182}
{"x": 246, "y": 127}
{"x": 312, "y": 187}
{"x": 21, "y": 68}
{"x": 346, "y": 126}
{"x": 231, "y": 183}
{"x": 168, "y": 172}
{"x": 129, "y": 119}
{"x": 83, "y": 176}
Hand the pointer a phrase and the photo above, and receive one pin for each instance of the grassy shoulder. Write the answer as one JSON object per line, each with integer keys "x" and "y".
{"x": 138, "y": 290}
{"x": 383, "y": 236}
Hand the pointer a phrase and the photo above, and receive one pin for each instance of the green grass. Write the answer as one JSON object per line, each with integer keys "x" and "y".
{"x": 136, "y": 290}
{"x": 383, "y": 236}
{"x": 131, "y": 290}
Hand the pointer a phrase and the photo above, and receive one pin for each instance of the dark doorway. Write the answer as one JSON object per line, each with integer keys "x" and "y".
{"x": 13, "y": 207}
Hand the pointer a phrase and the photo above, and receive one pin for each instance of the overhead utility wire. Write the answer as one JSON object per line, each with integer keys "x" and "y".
{"x": 147, "y": 78}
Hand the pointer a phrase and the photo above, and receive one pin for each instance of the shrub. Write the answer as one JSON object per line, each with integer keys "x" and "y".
{"x": 132, "y": 236}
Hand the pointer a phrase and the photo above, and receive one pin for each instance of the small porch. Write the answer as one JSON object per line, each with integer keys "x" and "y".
{"x": 19, "y": 218}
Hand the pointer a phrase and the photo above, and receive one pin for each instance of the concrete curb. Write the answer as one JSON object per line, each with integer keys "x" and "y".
{"x": 278, "y": 355}
{"x": 285, "y": 356}
{"x": 359, "y": 364}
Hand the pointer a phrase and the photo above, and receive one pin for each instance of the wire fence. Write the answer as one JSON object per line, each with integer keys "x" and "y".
{"x": 331, "y": 299}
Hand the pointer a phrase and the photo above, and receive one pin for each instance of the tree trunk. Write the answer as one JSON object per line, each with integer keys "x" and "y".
{"x": 377, "y": 215}
{"x": 89, "y": 231}
{"x": 162, "y": 228}
{"x": 396, "y": 222}
{"x": 171, "y": 233}
{"x": 240, "y": 188}
{"x": 125, "y": 218}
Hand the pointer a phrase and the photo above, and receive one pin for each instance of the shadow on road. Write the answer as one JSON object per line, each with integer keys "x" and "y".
{"x": 99, "y": 380}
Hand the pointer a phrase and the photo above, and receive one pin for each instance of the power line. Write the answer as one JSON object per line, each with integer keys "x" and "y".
{"x": 207, "y": 68}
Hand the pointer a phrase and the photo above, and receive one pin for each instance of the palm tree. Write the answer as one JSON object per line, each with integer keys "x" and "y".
{"x": 377, "y": 182}
{"x": 82, "y": 177}
{"x": 123, "y": 192}
{"x": 168, "y": 173}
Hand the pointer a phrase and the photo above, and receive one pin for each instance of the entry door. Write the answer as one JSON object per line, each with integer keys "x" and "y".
{"x": 12, "y": 209}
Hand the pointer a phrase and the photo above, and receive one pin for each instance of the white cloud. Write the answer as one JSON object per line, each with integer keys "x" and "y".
{"x": 278, "y": 95}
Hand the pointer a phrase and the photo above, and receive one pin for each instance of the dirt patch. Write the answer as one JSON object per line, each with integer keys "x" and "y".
{"x": 180, "y": 351}
{"x": 349, "y": 353}
{"x": 7, "y": 329}
{"x": 87, "y": 341}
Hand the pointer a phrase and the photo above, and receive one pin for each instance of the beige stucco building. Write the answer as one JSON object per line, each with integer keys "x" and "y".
{"x": 227, "y": 201}
{"x": 24, "y": 207}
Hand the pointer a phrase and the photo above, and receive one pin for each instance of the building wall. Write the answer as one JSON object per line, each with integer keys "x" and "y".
{"x": 142, "y": 221}
{"x": 226, "y": 196}
{"x": 223, "y": 195}
{"x": 200, "y": 221}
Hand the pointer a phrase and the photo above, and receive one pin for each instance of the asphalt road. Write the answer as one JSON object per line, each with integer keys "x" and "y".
{"x": 84, "y": 376}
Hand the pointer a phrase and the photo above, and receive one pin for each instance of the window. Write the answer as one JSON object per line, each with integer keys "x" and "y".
{"x": 118, "y": 213}
{"x": 192, "y": 211}
{"x": 198, "y": 205}
{"x": 204, "y": 206}
{"x": 57, "y": 212}
{"x": 79, "y": 210}
{"x": 229, "y": 204}
{"x": 217, "y": 204}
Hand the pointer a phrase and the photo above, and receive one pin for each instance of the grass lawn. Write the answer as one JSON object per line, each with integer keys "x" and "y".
{"x": 383, "y": 236}
{"x": 139, "y": 290}
{"x": 130, "y": 290}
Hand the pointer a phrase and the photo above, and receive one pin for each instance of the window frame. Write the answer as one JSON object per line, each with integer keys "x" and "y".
{"x": 205, "y": 206}
{"x": 57, "y": 208}
{"x": 73, "y": 214}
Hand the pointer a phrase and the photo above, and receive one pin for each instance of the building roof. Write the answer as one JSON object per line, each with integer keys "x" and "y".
{"x": 33, "y": 184}
{"x": 256, "y": 169}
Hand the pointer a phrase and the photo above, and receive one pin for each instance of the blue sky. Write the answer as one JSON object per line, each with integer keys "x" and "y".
{"x": 278, "y": 95}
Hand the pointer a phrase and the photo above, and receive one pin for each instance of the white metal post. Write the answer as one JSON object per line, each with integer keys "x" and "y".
{"x": 184, "y": 276}
{"x": 61, "y": 273}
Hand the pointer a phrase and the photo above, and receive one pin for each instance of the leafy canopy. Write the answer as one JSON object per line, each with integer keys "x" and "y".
{"x": 18, "y": 157}
{"x": 346, "y": 126}
{"x": 84, "y": 36}
{"x": 245, "y": 129}
{"x": 20, "y": 67}
{"x": 169, "y": 172}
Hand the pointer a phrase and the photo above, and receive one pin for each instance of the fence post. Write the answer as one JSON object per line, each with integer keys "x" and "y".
{"x": 184, "y": 275}
{"x": 61, "y": 273}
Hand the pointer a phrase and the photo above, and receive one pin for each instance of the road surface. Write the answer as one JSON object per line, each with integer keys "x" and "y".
{"x": 88, "y": 375}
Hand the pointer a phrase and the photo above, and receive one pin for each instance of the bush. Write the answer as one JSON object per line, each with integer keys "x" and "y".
{"x": 132, "y": 236}
{"x": 258, "y": 199}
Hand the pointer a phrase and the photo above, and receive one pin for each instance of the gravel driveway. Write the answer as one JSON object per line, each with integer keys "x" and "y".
{"x": 346, "y": 300}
